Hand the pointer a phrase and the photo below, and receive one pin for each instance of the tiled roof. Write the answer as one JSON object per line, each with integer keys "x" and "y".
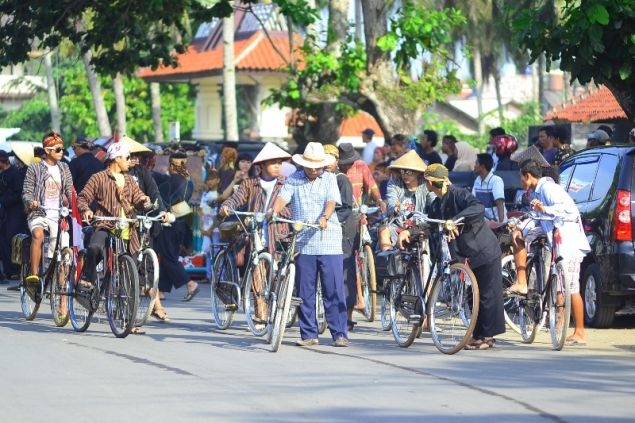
{"x": 255, "y": 53}
{"x": 595, "y": 106}
{"x": 353, "y": 126}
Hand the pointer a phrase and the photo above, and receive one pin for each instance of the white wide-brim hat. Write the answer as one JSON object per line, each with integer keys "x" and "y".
{"x": 24, "y": 152}
{"x": 271, "y": 152}
{"x": 314, "y": 156}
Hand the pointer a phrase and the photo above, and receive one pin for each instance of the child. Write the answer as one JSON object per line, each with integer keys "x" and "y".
{"x": 209, "y": 208}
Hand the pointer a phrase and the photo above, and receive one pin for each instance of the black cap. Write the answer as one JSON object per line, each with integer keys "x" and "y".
{"x": 4, "y": 156}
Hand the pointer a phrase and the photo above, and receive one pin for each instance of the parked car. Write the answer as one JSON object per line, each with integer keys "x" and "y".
{"x": 601, "y": 181}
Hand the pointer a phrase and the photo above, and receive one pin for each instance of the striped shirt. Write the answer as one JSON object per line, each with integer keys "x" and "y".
{"x": 307, "y": 200}
{"x": 35, "y": 187}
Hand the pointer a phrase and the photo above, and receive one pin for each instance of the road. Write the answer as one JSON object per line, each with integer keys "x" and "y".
{"x": 186, "y": 371}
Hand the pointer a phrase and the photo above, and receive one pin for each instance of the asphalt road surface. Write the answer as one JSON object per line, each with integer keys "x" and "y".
{"x": 187, "y": 371}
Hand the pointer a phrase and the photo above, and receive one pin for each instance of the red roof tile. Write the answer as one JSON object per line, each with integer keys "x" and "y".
{"x": 353, "y": 126}
{"x": 256, "y": 53}
{"x": 595, "y": 106}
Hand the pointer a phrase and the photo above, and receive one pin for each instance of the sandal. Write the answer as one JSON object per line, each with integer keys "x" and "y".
{"x": 137, "y": 331}
{"x": 480, "y": 344}
{"x": 160, "y": 314}
{"x": 32, "y": 279}
{"x": 190, "y": 295}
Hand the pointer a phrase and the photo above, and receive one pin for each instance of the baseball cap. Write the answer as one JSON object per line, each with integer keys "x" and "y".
{"x": 368, "y": 132}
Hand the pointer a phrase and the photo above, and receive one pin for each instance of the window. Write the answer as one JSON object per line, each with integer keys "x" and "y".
{"x": 608, "y": 165}
{"x": 582, "y": 178}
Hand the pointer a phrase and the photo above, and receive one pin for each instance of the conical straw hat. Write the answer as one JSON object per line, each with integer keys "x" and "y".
{"x": 531, "y": 153}
{"x": 269, "y": 152}
{"x": 23, "y": 151}
{"x": 410, "y": 160}
{"x": 134, "y": 146}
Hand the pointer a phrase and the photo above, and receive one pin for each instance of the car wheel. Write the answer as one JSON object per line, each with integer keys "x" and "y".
{"x": 597, "y": 313}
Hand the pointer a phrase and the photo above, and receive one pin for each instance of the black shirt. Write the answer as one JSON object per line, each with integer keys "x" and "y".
{"x": 82, "y": 168}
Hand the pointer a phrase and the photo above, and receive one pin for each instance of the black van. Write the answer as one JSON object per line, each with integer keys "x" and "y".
{"x": 601, "y": 181}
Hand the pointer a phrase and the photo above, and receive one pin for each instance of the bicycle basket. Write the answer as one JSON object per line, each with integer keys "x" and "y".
{"x": 228, "y": 230}
{"x": 21, "y": 249}
{"x": 389, "y": 264}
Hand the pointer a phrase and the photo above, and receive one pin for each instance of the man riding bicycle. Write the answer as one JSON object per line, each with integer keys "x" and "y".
{"x": 47, "y": 187}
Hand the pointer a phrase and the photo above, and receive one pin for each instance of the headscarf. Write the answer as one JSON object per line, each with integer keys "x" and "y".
{"x": 436, "y": 172}
{"x": 465, "y": 157}
{"x": 52, "y": 139}
{"x": 332, "y": 150}
{"x": 178, "y": 162}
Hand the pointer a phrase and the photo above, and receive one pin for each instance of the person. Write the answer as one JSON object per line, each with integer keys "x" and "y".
{"x": 609, "y": 132}
{"x": 84, "y": 164}
{"x": 12, "y": 214}
{"x": 426, "y": 147}
{"x": 545, "y": 141}
{"x": 551, "y": 199}
{"x": 473, "y": 241}
{"x": 176, "y": 189}
{"x": 495, "y": 132}
{"x": 243, "y": 168}
{"x": 379, "y": 156}
{"x": 370, "y": 145}
{"x": 398, "y": 147}
{"x": 489, "y": 189}
{"x": 312, "y": 195}
{"x": 350, "y": 239}
{"x": 227, "y": 166}
{"x": 631, "y": 136}
{"x": 465, "y": 157}
{"x": 597, "y": 138}
{"x": 209, "y": 209}
{"x": 48, "y": 185}
{"x": 359, "y": 174}
{"x": 258, "y": 194}
{"x": 501, "y": 148}
{"x": 406, "y": 192}
{"x": 448, "y": 146}
{"x": 381, "y": 175}
{"x": 563, "y": 143}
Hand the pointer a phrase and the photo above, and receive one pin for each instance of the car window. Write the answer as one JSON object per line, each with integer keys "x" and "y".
{"x": 582, "y": 179}
{"x": 565, "y": 174}
{"x": 608, "y": 165}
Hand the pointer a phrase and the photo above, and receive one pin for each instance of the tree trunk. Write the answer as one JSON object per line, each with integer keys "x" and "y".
{"x": 120, "y": 103}
{"x": 155, "y": 98}
{"x": 541, "y": 84}
{"x": 98, "y": 102}
{"x": 499, "y": 99}
{"x": 478, "y": 77}
{"x": 56, "y": 119}
{"x": 358, "y": 20}
{"x": 229, "y": 79}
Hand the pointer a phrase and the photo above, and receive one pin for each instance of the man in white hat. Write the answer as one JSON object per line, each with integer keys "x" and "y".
{"x": 258, "y": 195}
{"x": 312, "y": 195}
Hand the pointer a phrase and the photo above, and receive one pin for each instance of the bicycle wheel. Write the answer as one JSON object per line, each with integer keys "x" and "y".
{"x": 284, "y": 293}
{"x": 123, "y": 296}
{"x": 224, "y": 290}
{"x": 386, "y": 298}
{"x": 319, "y": 309}
{"x": 60, "y": 285}
{"x": 79, "y": 301}
{"x": 559, "y": 307}
{"x": 148, "y": 266}
{"x": 511, "y": 303}
{"x": 256, "y": 289}
{"x": 30, "y": 295}
{"x": 406, "y": 310}
{"x": 369, "y": 283}
{"x": 530, "y": 307}
{"x": 453, "y": 308}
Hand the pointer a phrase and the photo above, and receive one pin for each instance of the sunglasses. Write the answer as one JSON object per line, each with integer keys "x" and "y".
{"x": 407, "y": 172}
{"x": 55, "y": 149}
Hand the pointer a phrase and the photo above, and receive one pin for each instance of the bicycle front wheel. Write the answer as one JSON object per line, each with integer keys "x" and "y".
{"x": 31, "y": 294}
{"x": 148, "y": 284}
{"x": 80, "y": 302}
{"x": 369, "y": 283}
{"x": 453, "y": 308}
{"x": 530, "y": 306}
{"x": 224, "y": 292}
{"x": 386, "y": 298}
{"x": 256, "y": 289}
{"x": 60, "y": 286}
{"x": 406, "y": 310}
{"x": 123, "y": 296}
{"x": 559, "y": 307}
{"x": 284, "y": 291}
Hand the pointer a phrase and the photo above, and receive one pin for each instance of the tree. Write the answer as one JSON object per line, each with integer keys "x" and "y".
{"x": 229, "y": 79}
{"x": 593, "y": 41}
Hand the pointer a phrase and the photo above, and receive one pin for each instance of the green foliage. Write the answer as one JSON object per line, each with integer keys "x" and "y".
{"x": 35, "y": 112}
{"x": 519, "y": 127}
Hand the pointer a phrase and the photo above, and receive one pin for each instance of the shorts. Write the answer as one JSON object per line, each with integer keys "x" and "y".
{"x": 50, "y": 227}
{"x": 572, "y": 273}
{"x": 531, "y": 230}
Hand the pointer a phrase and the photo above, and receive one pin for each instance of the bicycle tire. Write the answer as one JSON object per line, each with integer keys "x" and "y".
{"x": 369, "y": 283}
{"x": 530, "y": 306}
{"x": 123, "y": 296}
{"x": 384, "y": 315}
{"x": 80, "y": 312}
{"x": 224, "y": 281}
{"x": 453, "y": 308}
{"x": 60, "y": 283}
{"x": 319, "y": 310}
{"x": 559, "y": 315}
{"x": 264, "y": 267}
{"x": 283, "y": 304}
{"x": 148, "y": 269}
{"x": 402, "y": 306}
{"x": 30, "y": 296}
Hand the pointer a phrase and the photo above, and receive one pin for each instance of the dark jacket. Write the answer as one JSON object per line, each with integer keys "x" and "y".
{"x": 82, "y": 168}
{"x": 148, "y": 185}
{"x": 476, "y": 240}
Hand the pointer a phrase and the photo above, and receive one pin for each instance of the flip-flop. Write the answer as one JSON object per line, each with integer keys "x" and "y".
{"x": 480, "y": 344}
{"x": 137, "y": 331}
{"x": 190, "y": 295}
{"x": 161, "y": 317}
{"x": 575, "y": 343}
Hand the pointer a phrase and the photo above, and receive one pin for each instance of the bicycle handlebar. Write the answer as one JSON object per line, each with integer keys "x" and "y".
{"x": 296, "y": 223}
{"x": 64, "y": 211}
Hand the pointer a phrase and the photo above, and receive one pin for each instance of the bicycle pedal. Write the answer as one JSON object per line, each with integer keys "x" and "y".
{"x": 416, "y": 319}
{"x": 296, "y": 301}
{"x": 231, "y": 307}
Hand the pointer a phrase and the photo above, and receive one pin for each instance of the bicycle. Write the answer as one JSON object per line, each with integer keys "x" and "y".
{"x": 548, "y": 296}
{"x": 56, "y": 271}
{"x": 229, "y": 290}
{"x": 148, "y": 267}
{"x": 365, "y": 261}
{"x": 280, "y": 296}
{"x": 117, "y": 280}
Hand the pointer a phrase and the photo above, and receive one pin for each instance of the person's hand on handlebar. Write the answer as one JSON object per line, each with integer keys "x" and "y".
{"x": 224, "y": 211}
{"x": 87, "y": 216}
{"x": 451, "y": 228}
{"x": 403, "y": 238}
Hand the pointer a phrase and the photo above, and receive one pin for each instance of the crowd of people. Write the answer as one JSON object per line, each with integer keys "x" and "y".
{"x": 323, "y": 184}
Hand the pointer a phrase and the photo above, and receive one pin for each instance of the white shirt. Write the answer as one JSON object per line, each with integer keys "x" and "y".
{"x": 487, "y": 191}
{"x": 52, "y": 191}
{"x": 369, "y": 151}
